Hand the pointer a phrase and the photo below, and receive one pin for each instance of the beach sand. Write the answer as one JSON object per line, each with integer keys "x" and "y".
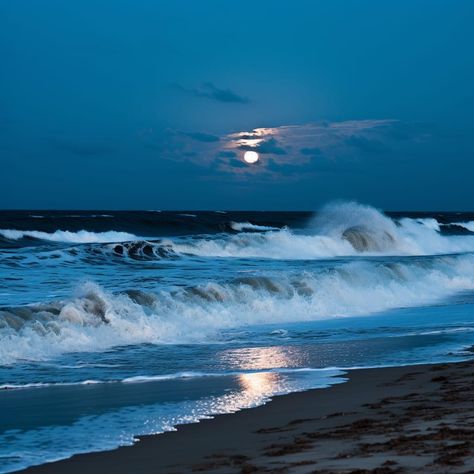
{"x": 401, "y": 419}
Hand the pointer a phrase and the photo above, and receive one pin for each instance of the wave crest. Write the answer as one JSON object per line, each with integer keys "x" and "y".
{"x": 144, "y": 250}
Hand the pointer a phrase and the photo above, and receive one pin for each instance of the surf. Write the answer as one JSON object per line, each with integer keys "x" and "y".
{"x": 96, "y": 319}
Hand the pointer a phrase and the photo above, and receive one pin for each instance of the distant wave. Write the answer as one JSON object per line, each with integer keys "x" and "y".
{"x": 82, "y": 236}
{"x": 241, "y": 226}
{"x": 172, "y": 376}
{"x": 467, "y": 225}
{"x": 48, "y": 384}
{"x": 338, "y": 230}
{"x": 95, "y": 320}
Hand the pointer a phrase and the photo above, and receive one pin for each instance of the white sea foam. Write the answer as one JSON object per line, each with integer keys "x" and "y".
{"x": 80, "y": 237}
{"x": 429, "y": 222}
{"x": 242, "y": 226}
{"x": 48, "y": 384}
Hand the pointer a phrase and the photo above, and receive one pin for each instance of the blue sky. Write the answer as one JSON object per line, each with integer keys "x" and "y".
{"x": 151, "y": 104}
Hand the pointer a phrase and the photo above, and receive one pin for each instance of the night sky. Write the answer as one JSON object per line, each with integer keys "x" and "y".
{"x": 140, "y": 104}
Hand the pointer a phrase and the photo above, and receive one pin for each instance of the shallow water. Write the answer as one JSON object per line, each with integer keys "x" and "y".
{"x": 114, "y": 324}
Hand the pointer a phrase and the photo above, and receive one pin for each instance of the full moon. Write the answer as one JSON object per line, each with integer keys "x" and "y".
{"x": 251, "y": 157}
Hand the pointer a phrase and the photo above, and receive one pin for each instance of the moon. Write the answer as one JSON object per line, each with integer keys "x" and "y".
{"x": 250, "y": 157}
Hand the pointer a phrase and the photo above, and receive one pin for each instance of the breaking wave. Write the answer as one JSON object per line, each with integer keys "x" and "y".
{"x": 95, "y": 319}
{"x": 340, "y": 229}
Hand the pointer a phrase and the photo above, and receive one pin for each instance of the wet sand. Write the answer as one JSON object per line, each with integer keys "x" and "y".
{"x": 390, "y": 420}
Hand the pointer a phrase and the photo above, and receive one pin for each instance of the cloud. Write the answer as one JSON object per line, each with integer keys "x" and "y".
{"x": 227, "y": 154}
{"x": 209, "y": 91}
{"x": 366, "y": 144}
{"x": 269, "y": 146}
{"x": 291, "y": 151}
{"x": 235, "y": 163}
{"x": 83, "y": 148}
{"x": 311, "y": 151}
{"x": 201, "y": 137}
{"x": 285, "y": 168}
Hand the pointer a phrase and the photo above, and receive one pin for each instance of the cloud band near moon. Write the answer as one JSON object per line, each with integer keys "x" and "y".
{"x": 283, "y": 152}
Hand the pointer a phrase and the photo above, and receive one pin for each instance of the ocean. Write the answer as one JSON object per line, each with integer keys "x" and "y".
{"x": 115, "y": 324}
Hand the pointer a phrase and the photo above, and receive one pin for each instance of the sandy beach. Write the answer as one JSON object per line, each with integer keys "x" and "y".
{"x": 400, "y": 419}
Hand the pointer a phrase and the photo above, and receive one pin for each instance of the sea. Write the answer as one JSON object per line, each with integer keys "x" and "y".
{"x": 115, "y": 324}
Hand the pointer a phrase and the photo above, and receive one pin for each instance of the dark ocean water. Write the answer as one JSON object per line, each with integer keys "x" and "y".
{"x": 114, "y": 324}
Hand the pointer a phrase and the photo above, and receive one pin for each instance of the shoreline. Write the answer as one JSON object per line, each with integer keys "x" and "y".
{"x": 415, "y": 418}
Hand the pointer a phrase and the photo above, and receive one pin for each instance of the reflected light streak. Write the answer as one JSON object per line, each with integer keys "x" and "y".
{"x": 262, "y": 358}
